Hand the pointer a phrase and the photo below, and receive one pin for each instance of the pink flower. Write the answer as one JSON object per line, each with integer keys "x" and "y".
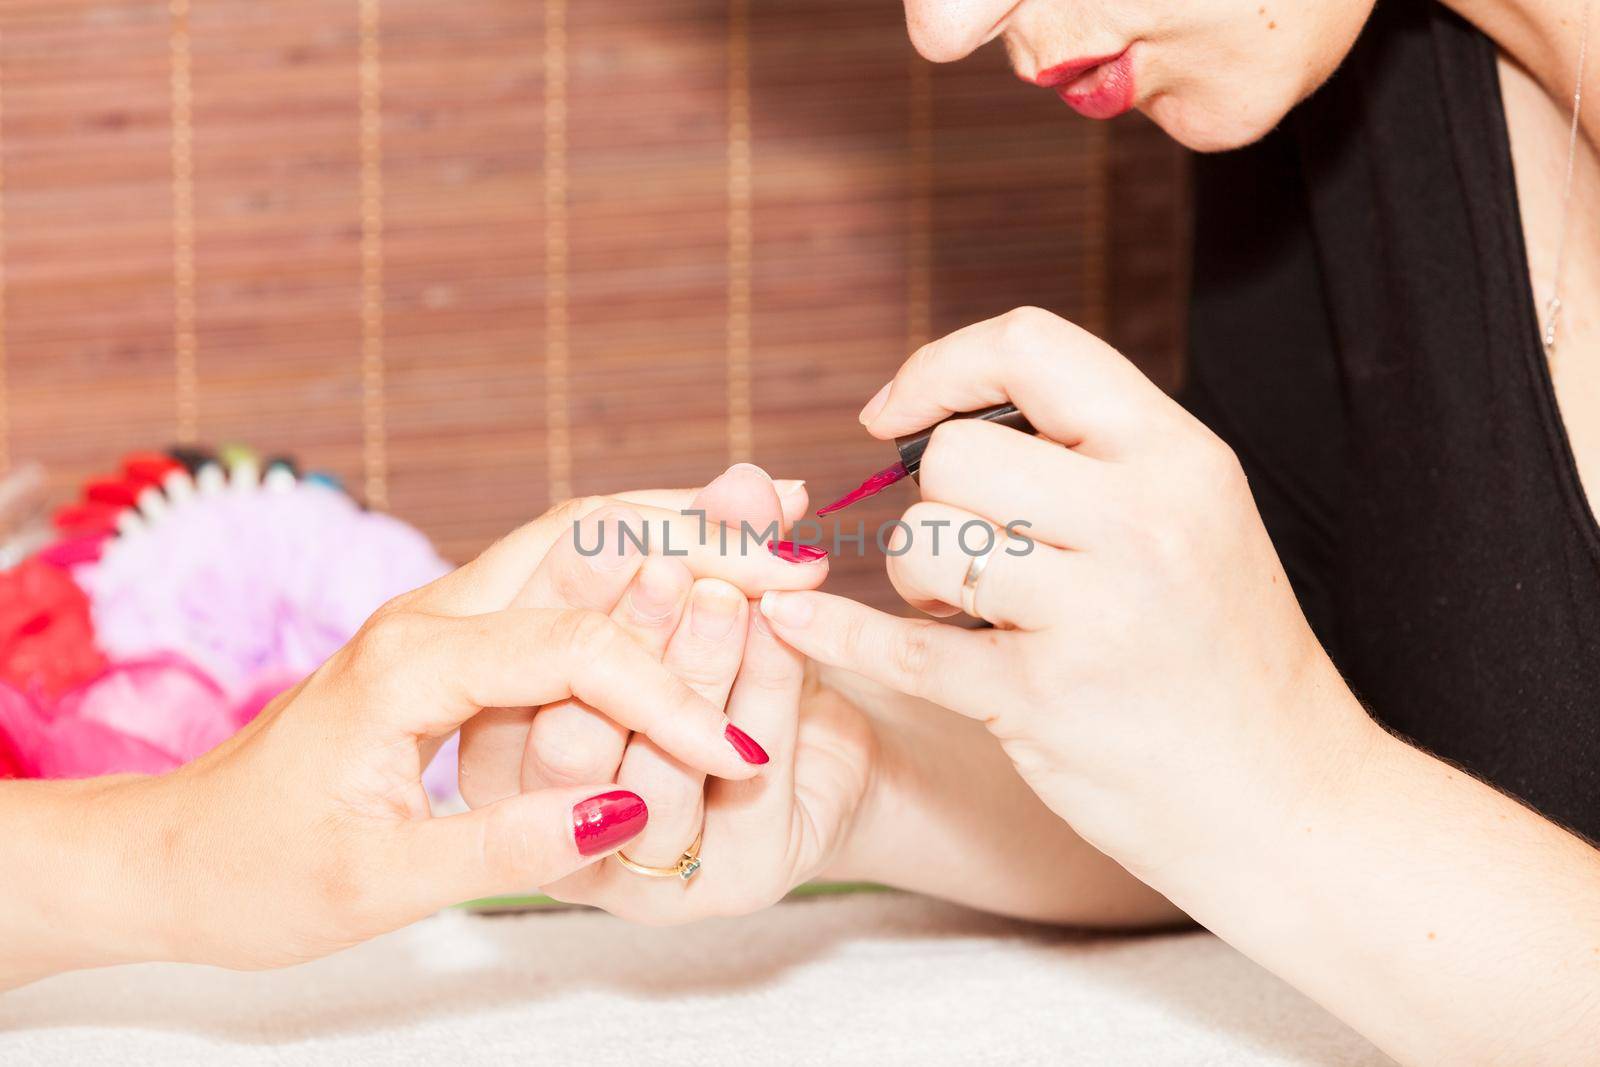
{"x": 11, "y": 764}
{"x": 144, "y": 717}
{"x": 46, "y": 639}
{"x": 253, "y": 585}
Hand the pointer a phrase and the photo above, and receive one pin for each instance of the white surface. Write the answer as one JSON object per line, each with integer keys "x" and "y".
{"x": 871, "y": 979}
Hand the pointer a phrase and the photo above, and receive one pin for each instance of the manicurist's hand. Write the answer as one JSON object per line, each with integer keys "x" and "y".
{"x": 1152, "y": 678}
{"x": 1148, "y": 646}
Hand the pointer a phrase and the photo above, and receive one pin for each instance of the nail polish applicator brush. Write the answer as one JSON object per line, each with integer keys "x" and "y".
{"x": 911, "y": 447}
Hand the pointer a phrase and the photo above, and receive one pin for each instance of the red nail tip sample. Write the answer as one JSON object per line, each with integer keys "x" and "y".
{"x": 148, "y": 468}
{"x": 871, "y": 487}
{"x": 745, "y": 745}
{"x": 112, "y": 491}
{"x": 87, "y": 517}
{"x": 791, "y": 552}
{"x": 602, "y": 823}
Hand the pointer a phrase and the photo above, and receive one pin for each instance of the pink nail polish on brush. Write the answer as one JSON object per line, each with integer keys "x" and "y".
{"x": 793, "y": 552}
{"x": 911, "y": 447}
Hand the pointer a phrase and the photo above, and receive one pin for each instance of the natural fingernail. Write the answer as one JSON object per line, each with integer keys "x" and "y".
{"x": 789, "y": 487}
{"x": 791, "y": 610}
{"x": 713, "y": 610}
{"x": 745, "y": 745}
{"x": 654, "y": 593}
{"x": 875, "y": 405}
{"x": 794, "y": 552}
{"x": 608, "y": 821}
{"x": 747, "y": 467}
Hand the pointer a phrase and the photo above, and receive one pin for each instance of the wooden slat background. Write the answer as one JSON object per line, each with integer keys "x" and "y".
{"x": 475, "y": 255}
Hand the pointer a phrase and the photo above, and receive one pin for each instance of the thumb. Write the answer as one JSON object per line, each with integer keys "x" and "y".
{"x": 520, "y": 843}
{"x": 944, "y": 664}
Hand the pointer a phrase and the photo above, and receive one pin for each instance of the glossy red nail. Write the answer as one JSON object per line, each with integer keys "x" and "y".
{"x": 604, "y": 822}
{"x": 791, "y": 552}
{"x": 745, "y": 745}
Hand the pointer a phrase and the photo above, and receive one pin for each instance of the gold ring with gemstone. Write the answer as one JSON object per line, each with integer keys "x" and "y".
{"x": 687, "y": 863}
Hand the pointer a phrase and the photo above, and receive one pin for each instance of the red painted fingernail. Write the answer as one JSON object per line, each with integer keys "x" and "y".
{"x": 745, "y": 745}
{"x": 791, "y": 552}
{"x": 602, "y": 823}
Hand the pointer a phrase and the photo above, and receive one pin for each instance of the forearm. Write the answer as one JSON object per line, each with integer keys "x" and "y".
{"x": 948, "y": 816}
{"x": 82, "y": 880}
{"x": 1443, "y": 920}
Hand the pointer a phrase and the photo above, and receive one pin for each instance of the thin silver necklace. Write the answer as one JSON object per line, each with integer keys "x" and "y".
{"x": 1552, "y": 323}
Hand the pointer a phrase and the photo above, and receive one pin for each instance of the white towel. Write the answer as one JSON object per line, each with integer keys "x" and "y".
{"x": 879, "y": 979}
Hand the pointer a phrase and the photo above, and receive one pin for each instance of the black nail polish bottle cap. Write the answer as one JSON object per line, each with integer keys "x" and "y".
{"x": 912, "y": 445}
{"x": 192, "y": 458}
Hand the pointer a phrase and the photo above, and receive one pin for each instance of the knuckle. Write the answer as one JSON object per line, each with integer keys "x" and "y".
{"x": 586, "y": 634}
{"x": 676, "y": 809}
{"x": 1022, "y": 327}
{"x": 1220, "y": 470}
{"x": 404, "y": 602}
{"x": 771, "y": 674}
{"x": 706, "y": 669}
{"x": 511, "y": 854}
{"x": 389, "y": 639}
{"x": 923, "y": 357}
{"x": 560, "y": 758}
{"x": 911, "y": 656}
{"x": 571, "y": 510}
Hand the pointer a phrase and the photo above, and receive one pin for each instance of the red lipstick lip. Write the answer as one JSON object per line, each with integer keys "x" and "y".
{"x": 1100, "y": 88}
{"x": 1072, "y": 69}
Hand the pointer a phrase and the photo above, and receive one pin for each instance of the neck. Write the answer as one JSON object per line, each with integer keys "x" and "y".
{"x": 1543, "y": 37}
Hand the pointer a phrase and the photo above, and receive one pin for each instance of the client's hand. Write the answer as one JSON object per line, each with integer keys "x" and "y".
{"x": 719, "y": 532}
{"x": 761, "y": 837}
{"x": 311, "y": 831}
{"x": 760, "y": 841}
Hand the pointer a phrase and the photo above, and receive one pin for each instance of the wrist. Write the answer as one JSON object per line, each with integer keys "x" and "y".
{"x": 1245, "y": 824}
{"x": 85, "y": 859}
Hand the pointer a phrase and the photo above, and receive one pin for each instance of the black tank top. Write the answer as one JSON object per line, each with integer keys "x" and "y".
{"x": 1364, "y": 335}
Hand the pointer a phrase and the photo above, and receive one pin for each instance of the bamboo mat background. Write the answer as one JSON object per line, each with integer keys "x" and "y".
{"x": 477, "y": 256}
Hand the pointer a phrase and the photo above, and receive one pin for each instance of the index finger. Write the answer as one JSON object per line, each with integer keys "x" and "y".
{"x": 432, "y": 673}
{"x": 1072, "y": 386}
{"x": 932, "y": 660}
{"x": 739, "y": 556}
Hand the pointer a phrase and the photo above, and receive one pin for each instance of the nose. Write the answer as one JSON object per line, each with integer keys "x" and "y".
{"x": 947, "y": 30}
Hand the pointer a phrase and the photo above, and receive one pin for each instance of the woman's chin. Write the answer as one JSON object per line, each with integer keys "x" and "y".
{"x": 1209, "y": 129}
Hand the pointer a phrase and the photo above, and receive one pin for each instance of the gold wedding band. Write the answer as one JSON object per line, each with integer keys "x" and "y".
{"x": 687, "y": 863}
{"x": 969, "y": 584}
